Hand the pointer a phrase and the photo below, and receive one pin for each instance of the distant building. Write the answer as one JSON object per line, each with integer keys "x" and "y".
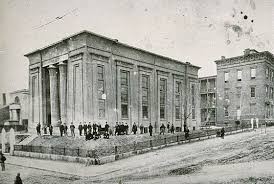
{"x": 245, "y": 87}
{"x": 91, "y": 78}
{"x": 208, "y": 100}
{"x": 15, "y": 110}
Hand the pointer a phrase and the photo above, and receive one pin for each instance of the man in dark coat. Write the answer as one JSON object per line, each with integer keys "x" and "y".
{"x": 150, "y": 129}
{"x": 80, "y": 128}
{"x": 141, "y": 128}
{"x": 65, "y": 129}
{"x": 94, "y": 128}
{"x": 89, "y": 136}
{"x": 162, "y": 129}
{"x": 18, "y": 179}
{"x": 38, "y": 129}
{"x": 168, "y": 127}
{"x": 85, "y": 127}
{"x": 50, "y": 129}
{"x": 2, "y": 161}
{"x": 134, "y": 128}
{"x": 222, "y": 132}
{"x": 172, "y": 129}
{"x": 61, "y": 128}
{"x": 116, "y": 129}
{"x": 106, "y": 127}
{"x": 122, "y": 128}
{"x": 89, "y": 127}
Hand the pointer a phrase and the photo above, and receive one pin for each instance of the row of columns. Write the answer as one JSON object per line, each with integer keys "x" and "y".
{"x": 55, "y": 95}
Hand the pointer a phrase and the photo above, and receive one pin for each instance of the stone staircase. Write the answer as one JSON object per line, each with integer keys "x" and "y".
{"x": 30, "y": 138}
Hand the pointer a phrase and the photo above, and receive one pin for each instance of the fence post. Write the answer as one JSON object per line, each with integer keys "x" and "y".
{"x": 64, "y": 151}
{"x": 116, "y": 152}
{"x": 78, "y": 152}
{"x": 165, "y": 140}
{"x": 177, "y": 138}
{"x": 51, "y": 149}
{"x": 150, "y": 141}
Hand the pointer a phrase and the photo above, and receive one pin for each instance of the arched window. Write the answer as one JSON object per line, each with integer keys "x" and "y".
{"x": 17, "y": 100}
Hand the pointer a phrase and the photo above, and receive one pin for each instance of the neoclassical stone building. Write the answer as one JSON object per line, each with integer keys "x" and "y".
{"x": 92, "y": 78}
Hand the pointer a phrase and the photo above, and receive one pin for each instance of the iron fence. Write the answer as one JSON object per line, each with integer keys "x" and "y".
{"x": 116, "y": 150}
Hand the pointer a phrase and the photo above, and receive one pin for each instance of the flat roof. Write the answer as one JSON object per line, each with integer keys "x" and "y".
{"x": 110, "y": 39}
{"x": 208, "y": 77}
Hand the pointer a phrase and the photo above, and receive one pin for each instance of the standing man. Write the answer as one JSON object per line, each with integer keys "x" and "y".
{"x": 162, "y": 129}
{"x": 142, "y": 128}
{"x": 89, "y": 127}
{"x": 168, "y": 127}
{"x": 61, "y": 128}
{"x": 65, "y": 129}
{"x": 80, "y": 128}
{"x": 50, "y": 129}
{"x": 72, "y": 127}
{"x": 172, "y": 129}
{"x": 38, "y": 129}
{"x": 134, "y": 128}
{"x": 106, "y": 128}
{"x": 116, "y": 129}
{"x": 94, "y": 127}
{"x": 2, "y": 161}
{"x": 150, "y": 129}
{"x": 85, "y": 127}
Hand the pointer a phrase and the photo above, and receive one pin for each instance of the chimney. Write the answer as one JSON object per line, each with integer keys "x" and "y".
{"x": 246, "y": 52}
{"x": 222, "y": 57}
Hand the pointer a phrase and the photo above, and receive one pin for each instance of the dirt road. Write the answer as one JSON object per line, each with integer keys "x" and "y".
{"x": 241, "y": 158}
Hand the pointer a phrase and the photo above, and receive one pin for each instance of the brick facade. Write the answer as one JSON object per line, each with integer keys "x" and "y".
{"x": 242, "y": 94}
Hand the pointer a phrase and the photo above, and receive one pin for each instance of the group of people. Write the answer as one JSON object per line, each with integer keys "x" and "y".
{"x": 95, "y": 130}
{"x": 170, "y": 129}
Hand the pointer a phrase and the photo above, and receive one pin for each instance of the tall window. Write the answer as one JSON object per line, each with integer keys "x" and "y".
{"x": 238, "y": 92}
{"x": 163, "y": 84}
{"x": 145, "y": 96}
{"x": 124, "y": 93}
{"x": 226, "y": 111}
{"x": 193, "y": 101}
{"x": 272, "y": 75}
{"x": 101, "y": 90}
{"x": 252, "y": 92}
{"x": 177, "y": 100}
{"x": 253, "y": 73}
{"x": 271, "y": 93}
{"x": 226, "y": 93}
{"x": 267, "y": 72}
{"x": 226, "y": 77}
{"x": 266, "y": 91}
{"x": 239, "y": 75}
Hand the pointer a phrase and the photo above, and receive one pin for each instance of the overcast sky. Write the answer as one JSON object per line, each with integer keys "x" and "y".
{"x": 198, "y": 31}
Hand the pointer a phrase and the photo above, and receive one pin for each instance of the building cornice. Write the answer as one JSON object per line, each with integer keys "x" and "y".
{"x": 265, "y": 55}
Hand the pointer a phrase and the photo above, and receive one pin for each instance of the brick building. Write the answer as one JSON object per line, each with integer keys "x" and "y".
{"x": 208, "y": 100}
{"x": 245, "y": 87}
{"x": 90, "y": 78}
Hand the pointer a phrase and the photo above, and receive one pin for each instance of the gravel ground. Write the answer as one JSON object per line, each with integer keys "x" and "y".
{"x": 241, "y": 158}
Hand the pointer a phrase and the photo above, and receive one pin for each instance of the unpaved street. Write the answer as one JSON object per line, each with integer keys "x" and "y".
{"x": 241, "y": 158}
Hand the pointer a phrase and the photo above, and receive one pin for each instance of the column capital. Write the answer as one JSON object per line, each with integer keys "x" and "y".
{"x": 52, "y": 67}
{"x": 62, "y": 63}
